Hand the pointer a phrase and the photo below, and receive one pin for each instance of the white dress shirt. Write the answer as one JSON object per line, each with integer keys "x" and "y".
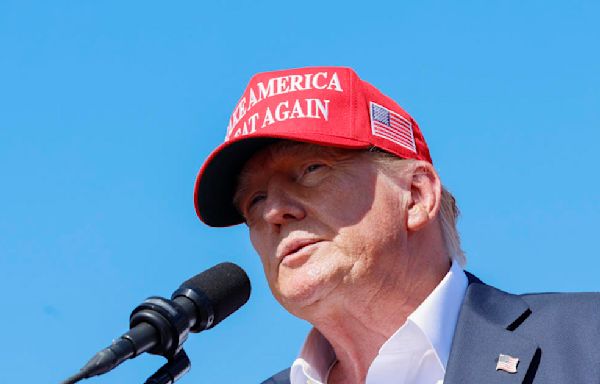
{"x": 416, "y": 354}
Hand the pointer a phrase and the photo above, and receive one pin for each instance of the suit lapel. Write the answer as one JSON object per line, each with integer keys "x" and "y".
{"x": 483, "y": 332}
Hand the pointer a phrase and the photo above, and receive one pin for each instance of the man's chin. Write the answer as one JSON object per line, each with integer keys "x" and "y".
{"x": 302, "y": 300}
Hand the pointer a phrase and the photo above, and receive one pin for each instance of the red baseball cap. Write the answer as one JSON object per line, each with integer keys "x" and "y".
{"x": 328, "y": 106}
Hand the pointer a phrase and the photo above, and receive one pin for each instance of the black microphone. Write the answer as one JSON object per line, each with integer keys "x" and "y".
{"x": 160, "y": 326}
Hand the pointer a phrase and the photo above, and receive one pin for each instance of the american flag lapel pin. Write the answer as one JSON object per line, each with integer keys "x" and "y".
{"x": 507, "y": 363}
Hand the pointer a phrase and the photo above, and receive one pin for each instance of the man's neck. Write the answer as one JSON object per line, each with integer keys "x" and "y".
{"x": 362, "y": 322}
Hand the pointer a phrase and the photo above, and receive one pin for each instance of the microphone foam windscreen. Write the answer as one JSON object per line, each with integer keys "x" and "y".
{"x": 226, "y": 285}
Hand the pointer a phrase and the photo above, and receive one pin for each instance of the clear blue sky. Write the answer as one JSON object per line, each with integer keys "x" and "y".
{"x": 108, "y": 109}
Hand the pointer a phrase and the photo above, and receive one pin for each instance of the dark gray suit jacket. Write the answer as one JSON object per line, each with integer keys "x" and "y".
{"x": 555, "y": 336}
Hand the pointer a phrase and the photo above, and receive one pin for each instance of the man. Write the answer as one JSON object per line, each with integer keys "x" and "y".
{"x": 357, "y": 236}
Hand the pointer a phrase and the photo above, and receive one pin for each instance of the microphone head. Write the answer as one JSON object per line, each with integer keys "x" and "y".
{"x": 226, "y": 286}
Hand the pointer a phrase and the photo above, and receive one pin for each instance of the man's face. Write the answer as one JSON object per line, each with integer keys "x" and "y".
{"x": 324, "y": 221}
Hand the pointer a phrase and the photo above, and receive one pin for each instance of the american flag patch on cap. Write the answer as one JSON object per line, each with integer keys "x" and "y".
{"x": 507, "y": 363}
{"x": 392, "y": 126}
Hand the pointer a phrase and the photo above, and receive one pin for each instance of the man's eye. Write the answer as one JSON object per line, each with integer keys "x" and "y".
{"x": 306, "y": 178}
{"x": 255, "y": 199}
{"x": 313, "y": 167}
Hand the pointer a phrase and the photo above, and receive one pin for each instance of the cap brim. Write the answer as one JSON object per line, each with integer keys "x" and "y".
{"x": 217, "y": 180}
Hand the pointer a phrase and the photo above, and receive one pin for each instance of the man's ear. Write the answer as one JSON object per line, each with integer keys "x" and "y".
{"x": 426, "y": 194}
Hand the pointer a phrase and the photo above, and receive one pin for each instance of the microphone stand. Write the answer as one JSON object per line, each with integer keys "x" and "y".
{"x": 169, "y": 373}
{"x": 172, "y": 371}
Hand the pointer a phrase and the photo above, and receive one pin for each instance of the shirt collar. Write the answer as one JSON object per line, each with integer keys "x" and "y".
{"x": 435, "y": 317}
{"x": 438, "y": 313}
{"x": 315, "y": 360}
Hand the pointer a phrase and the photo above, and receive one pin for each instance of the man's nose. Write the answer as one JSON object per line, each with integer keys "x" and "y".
{"x": 281, "y": 206}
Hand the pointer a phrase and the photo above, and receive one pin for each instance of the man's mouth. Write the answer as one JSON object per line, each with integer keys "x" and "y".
{"x": 291, "y": 249}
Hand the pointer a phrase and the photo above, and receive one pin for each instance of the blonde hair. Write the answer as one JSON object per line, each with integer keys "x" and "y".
{"x": 449, "y": 214}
